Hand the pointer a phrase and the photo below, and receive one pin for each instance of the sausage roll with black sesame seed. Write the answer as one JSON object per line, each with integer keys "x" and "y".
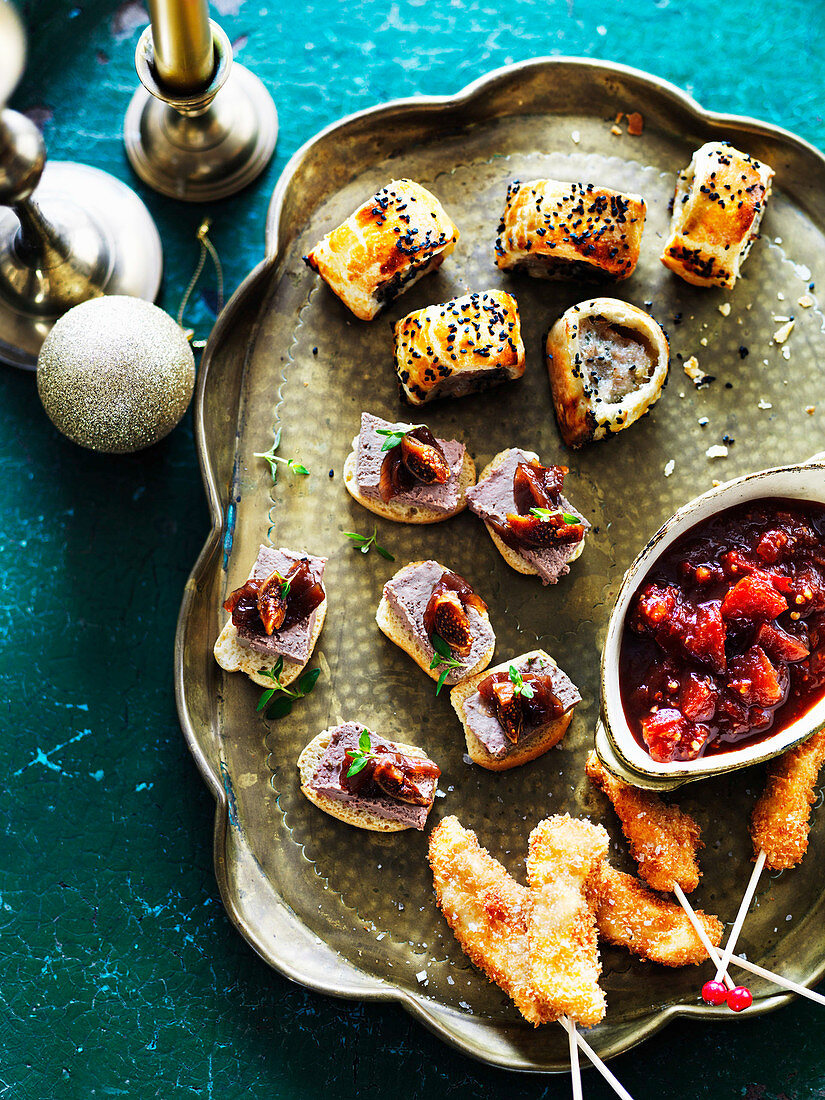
{"x": 459, "y": 347}
{"x": 400, "y": 234}
{"x": 717, "y": 209}
{"x": 607, "y": 362}
{"x": 554, "y": 230}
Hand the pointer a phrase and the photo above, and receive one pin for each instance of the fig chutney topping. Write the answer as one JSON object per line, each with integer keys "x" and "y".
{"x": 376, "y": 770}
{"x": 540, "y": 519}
{"x": 277, "y": 601}
{"x": 725, "y": 637}
{"x": 406, "y": 464}
{"x": 416, "y": 458}
{"x": 446, "y": 612}
{"x": 520, "y": 700}
{"x": 376, "y": 775}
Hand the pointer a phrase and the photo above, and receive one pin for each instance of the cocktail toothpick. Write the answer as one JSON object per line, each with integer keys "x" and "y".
{"x": 779, "y": 828}
{"x": 575, "y": 1071}
{"x": 746, "y": 964}
{"x": 596, "y": 1061}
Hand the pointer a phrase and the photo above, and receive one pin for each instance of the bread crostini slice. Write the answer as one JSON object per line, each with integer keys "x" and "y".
{"x": 401, "y": 472}
{"x": 391, "y": 786}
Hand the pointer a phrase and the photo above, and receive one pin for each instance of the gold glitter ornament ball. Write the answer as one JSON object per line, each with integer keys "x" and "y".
{"x": 115, "y": 374}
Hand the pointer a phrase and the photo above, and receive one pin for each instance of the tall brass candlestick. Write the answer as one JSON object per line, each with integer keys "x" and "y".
{"x": 182, "y": 37}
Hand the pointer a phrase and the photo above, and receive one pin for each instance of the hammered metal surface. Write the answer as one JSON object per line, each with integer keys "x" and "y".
{"x": 313, "y": 368}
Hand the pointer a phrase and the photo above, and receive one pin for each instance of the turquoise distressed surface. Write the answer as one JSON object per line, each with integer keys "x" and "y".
{"x": 120, "y": 974}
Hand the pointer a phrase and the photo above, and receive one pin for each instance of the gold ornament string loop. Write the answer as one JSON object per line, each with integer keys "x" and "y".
{"x": 207, "y": 248}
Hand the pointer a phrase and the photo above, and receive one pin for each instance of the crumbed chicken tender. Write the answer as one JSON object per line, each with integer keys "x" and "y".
{"x": 488, "y": 912}
{"x": 663, "y": 839}
{"x": 630, "y": 915}
{"x": 779, "y": 823}
{"x": 564, "y": 951}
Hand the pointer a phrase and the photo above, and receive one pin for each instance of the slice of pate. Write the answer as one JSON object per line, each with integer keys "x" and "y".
{"x": 370, "y": 458}
{"x": 481, "y": 719}
{"x": 326, "y": 780}
{"x": 294, "y": 641}
{"x": 493, "y": 499}
{"x": 408, "y": 594}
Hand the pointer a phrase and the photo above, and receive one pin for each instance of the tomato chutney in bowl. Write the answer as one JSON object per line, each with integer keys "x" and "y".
{"x": 715, "y": 651}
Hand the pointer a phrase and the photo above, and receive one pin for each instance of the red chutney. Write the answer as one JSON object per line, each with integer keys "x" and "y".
{"x": 724, "y": 639}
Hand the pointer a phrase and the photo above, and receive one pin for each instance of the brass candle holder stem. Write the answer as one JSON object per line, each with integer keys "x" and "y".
{"x": 202, "y": 142}
{"x": 182, "y": 40}
{"x": 68, "y": 232}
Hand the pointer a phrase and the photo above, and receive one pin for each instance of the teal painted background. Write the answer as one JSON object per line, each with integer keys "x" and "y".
{"x": 120, "y": 975}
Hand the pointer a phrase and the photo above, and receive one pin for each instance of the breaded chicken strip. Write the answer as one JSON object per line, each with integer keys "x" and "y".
{"x": 564, "y": 950}
{"x": 663, "y": 840}
{"x": 629, "y": 915}
{"x": 487, "y": 910}
{"x": 779, "y": 823}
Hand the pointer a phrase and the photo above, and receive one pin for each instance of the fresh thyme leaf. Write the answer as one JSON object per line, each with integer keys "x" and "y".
{"x": 280, "y": 707}
{"x": 547, "y": 513}
{"x": 277, "y": 701}
{"x": 519, "y": 686}
{"x": 361, "y": 755}
{"x": 366, "y": 542}
{"x": 393, "y": 437}
{"x": 308, "y": 681}
{"x": 292, "y": 464}
{"x": 443, "y": 656}
{"x": 358, "y": 764}
{"x": 265, "y": 697}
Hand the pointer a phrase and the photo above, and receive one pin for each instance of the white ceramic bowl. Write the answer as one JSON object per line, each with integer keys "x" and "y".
{"x": 615, "y": 743}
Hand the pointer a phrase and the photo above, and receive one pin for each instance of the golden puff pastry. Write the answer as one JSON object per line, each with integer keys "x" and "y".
{"x": 459, "y": 347}
{"x": 400, "y": 234}
{"x": 719, "y": 202}
{"x": 554, "y": 230}
{"x": 607, "y": 363}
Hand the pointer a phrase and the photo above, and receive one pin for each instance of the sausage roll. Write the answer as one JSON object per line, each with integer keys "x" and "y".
{"x": 607, "y": 362}
{"x": 397, "y": 236}
{"x": 718, "y": 206}
{"x": 459, "y": 347}
{"x": 554, "y": 230}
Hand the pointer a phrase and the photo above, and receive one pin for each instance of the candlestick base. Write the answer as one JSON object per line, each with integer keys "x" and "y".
{"x": 100, "y": 239}
{"x": 202, "y": 146}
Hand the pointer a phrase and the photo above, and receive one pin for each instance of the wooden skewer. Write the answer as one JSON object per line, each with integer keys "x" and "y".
{"x": 713, "y": 954}
{"x": 699, "y": 930}
{"x": 575, "y": 1071}
{"x": 745, "y": 905}
{"x": 598, "y": 1064}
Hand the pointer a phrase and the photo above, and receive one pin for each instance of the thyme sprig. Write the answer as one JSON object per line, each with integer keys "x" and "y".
{"x": 393, "y": 437}
{"x": 292, "y": 464}
{"x": 366, "y": 542}
{"x": 519, "y": 686}
{"x": 546, "y": 513}
{"x": 286, "y": 696}
{"x": 443, "y": 659}
{"x": 361, "y": 755}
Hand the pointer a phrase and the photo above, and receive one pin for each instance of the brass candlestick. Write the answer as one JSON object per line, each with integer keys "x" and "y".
{"x": 200, "y": 127}
{"x": 70, "y": 232}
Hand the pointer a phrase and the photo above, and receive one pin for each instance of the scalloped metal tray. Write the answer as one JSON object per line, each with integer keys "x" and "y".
{"x": 352, "y": 914}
